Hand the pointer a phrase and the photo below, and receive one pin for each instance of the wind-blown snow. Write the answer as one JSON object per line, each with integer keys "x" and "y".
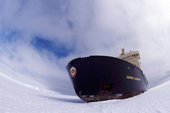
{"x": 18, "y": 97}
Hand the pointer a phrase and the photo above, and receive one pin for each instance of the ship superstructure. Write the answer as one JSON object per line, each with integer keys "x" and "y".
{"x": 131, "y": 57}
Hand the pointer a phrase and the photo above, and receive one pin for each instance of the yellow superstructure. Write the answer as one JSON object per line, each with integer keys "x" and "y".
{"x": 131, "y": 57}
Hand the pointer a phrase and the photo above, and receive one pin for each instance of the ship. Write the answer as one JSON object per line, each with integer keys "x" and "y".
{"x": 100, "y": 78}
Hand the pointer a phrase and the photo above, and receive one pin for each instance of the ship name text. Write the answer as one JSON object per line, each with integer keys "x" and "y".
{"x": 133, "y": 78}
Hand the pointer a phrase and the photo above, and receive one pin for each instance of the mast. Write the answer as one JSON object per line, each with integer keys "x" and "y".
{"x": 123, "y": 52}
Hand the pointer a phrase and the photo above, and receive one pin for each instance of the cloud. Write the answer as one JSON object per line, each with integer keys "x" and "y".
{"x": 40, "y": 37}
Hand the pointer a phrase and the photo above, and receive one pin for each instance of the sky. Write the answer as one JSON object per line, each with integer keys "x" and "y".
{"x": 39, "y": 38}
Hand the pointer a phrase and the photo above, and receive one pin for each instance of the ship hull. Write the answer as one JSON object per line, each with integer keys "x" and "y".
{"x": 98, "y": 78}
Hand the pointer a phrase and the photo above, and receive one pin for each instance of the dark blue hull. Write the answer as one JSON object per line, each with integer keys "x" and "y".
{"x": 98, "y": 78}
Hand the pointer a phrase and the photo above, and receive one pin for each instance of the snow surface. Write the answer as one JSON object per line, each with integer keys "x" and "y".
{"x": 19, "y": 97}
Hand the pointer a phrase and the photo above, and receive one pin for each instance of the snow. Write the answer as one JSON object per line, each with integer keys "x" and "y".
{"x": 20, "y": 97}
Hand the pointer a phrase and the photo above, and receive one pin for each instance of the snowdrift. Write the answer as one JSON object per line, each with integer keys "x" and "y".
{"x": 17, "y": 96}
